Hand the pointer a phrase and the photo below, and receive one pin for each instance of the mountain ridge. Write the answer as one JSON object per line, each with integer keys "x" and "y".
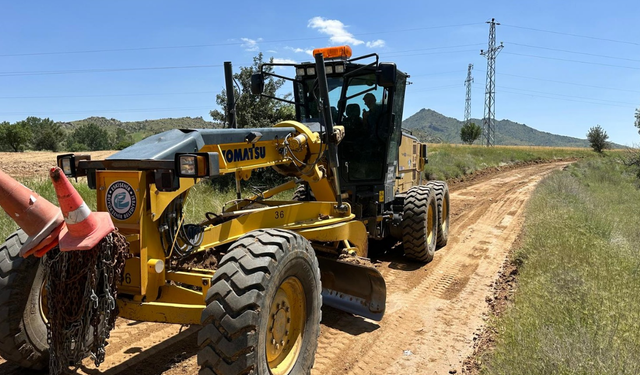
{"x": 431, "y": 126}
{"x": 426, "y": 124}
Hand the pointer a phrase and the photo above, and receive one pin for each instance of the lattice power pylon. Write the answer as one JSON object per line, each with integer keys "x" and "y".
{"x": 467, "y": 103}
{"x": 489, "y": 120}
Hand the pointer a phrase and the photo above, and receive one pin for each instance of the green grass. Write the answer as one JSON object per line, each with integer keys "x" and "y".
{"x": 577, "y": 307}
{"x": 453, "y": 161}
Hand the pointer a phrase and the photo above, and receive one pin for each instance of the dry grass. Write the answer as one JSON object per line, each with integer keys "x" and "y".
{"x": 577, "y": 309}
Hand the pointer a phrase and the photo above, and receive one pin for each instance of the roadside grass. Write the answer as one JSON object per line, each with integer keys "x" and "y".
{"x": 577, "y": 306}
{"x": 454, "y": 161}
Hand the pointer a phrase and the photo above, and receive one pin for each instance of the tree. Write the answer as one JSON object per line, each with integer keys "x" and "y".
{"x": 597, "y": 137}
{"x": 46, "y": 134}
{"x": 14, "y": 137}
{"x": 89, "y": 137}
{"x": 470, "y": 132}
{"x": 254, "y": 111}
{"x": 637, "y": 122}
{"x": 122, "y": 139}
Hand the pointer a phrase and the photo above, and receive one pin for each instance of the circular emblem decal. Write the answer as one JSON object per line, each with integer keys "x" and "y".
{"x": 121, "y": 200}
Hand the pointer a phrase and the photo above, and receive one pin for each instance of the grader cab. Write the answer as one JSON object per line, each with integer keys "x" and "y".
{"x": 354, "y": 176}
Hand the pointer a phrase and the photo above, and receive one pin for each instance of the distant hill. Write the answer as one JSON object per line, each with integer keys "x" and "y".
{"x": 144, "y": 128}
{"x": 428, "y": 125}
{"x": 432, "y": 126}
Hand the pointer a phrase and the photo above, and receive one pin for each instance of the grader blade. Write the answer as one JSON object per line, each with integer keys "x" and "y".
{"x": 353, "y": 288}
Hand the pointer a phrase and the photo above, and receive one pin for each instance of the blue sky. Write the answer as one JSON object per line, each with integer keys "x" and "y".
{"x": 566, "y": 65}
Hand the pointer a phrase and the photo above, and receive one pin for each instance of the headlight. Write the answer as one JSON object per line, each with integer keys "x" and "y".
{"x": 311, "y": 71}
{"x": 187, "y": 165}
{"x": 329, "y": 69}
{"x": 300, "y": 72}
{"x": 339, "y": 69}
{"x": 66, "y": 166}
{"x": 197, "y": 165}
{"x": 67, "y": 162}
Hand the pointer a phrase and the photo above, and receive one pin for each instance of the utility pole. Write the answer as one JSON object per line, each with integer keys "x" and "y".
{"x": 467, "y": 103}
{"x": 489, "y": 121}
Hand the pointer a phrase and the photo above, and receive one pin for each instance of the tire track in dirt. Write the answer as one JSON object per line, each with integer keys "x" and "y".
{"x": 434, "y": 310}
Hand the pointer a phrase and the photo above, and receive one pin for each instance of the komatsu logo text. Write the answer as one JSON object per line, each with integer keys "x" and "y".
{"x": 242, "y": 154}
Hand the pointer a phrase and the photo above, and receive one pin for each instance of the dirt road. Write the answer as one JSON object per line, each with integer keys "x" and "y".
{"x": 432, "y": 312}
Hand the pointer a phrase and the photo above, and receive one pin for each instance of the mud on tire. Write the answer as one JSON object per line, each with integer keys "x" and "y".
{"x": 441, "y": 189}
{"x": 420, "y": 224}
{"x": 23, "y": 332}
{"x": 263, "y": 309}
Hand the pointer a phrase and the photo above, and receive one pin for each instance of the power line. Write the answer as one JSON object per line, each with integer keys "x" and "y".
{"x": 489, "y": 120}
{"x": 575, "y": 61}
{"x": 109, "y": 70}
{"x": 428, "y": 53}
{"x": 573, "y": 35}
{"x": 436, "y": 88}
{"x": 435, "y": 74}
{"x": 223, "y": 44}
{"x": 565, "y": 98}
{"x": 567, "y": 83}
{"x": 432, "y": 48}
{"x": 103, "y": 111}
{"x": 574, "y": 52}
{"x": 467, "y": 103}
{"x": 108, "y": 95}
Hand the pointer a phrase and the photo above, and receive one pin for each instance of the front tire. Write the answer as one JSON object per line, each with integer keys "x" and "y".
{"x": 263, "y": 309}
{"x": 23, "y": 331}
{"x": 420, "y": 224}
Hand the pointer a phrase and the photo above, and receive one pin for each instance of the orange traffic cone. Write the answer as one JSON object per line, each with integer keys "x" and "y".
{"x": 39, "y": 219}
{"x": 84, "y": 229}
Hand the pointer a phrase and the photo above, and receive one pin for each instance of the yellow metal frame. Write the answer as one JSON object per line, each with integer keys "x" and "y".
{"x": 150, "y": 292}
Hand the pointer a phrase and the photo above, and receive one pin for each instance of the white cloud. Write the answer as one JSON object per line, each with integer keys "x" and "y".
{"x": 338, "y": 33}
{"x": 250, "y": 44}
{"x": 375, "y": 44}
{"x": 335, "y": 29}
{"x": 284, "y": 61}
{"x": 301, "y": 50}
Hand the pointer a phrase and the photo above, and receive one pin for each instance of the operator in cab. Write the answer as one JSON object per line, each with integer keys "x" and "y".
{"x": 371, "y": 116}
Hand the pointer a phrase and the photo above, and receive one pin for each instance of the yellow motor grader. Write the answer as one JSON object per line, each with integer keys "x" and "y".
{"x": 256, "y": 274}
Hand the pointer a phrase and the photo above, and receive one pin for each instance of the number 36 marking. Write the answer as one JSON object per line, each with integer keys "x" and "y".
{"x": 279, "y": 214}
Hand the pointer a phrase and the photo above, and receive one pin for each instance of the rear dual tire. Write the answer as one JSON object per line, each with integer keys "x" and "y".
{"x": 441, "y": 191}
{"x": 420, "y": 224}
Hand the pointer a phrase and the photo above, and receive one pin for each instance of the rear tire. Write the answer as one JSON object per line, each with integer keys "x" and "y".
{"x": 23, "y": 332}
{"x": 441, "y": 190}
{"x": 263, "y": 309}
{"x": 420, "y": 224}
{"x": 303, "y": 194}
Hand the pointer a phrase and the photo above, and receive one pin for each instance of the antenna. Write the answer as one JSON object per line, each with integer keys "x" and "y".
{"x": 467, "y": 103}
{"x": 489, "y": 121}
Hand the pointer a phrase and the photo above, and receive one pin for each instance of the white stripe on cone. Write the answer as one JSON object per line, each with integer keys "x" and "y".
{"x": 77, "y": 216}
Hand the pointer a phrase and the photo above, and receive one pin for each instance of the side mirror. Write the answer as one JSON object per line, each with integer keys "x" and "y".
{"x": 257, "y": 83}
{"x": 386, "y": 75}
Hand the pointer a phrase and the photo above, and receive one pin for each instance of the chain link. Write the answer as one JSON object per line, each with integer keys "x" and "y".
{"x": 81, "y": 300}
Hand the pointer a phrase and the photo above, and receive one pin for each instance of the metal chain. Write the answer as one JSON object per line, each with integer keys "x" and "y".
{"x": 81, "y": 300}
